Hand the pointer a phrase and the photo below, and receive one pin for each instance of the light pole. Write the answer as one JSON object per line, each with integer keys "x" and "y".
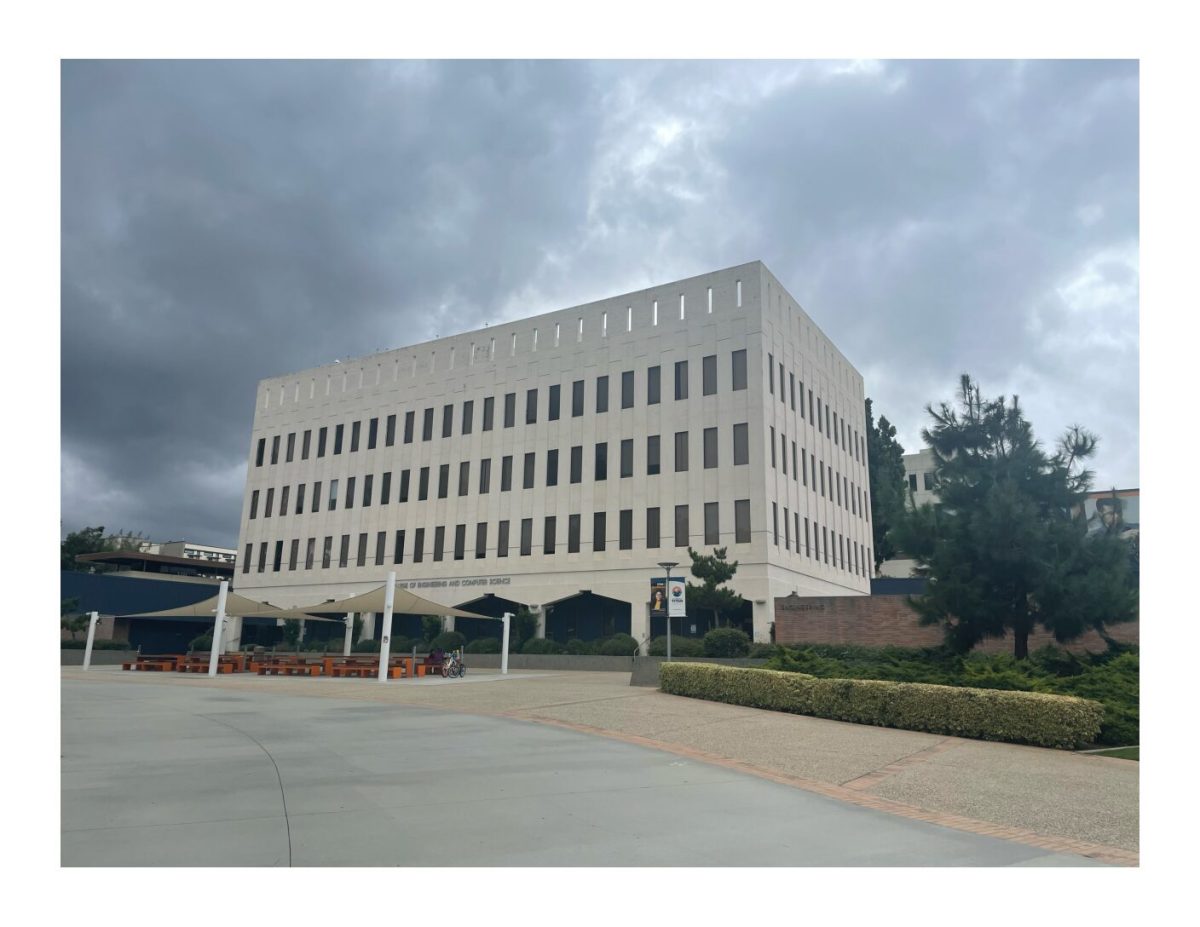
{"x": 668, "y": 567}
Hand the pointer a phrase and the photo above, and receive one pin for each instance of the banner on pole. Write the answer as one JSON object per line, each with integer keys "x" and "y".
{"x": 676, "y": 598}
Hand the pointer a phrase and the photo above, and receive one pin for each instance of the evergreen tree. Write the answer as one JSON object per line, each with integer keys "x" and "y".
{"x": 1005, "y": 548}
{"x": 709, "y": 596}
{"x": 885, "y": 470}
{"x": 83, "y": 541}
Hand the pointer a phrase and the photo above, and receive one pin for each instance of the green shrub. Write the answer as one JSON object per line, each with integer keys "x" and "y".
{"x": 365, "y": 647}
{"x": 542, "y": 645}
{"x": 578, "y": 647}
{"x": 619, "y": 645}
{"x": 726, "y": 642}
{"x": 985, "y": 714}
{"x": 680, "y": 647}
{"x": 203, "y": 642}
{"x": 448, "y": 640}
{"x": 759, "y": 651}
{"x": 483, "y": 645}
{"x": 101, "y": 645}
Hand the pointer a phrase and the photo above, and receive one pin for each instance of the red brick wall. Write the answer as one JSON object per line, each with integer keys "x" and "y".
{"x": 881, "y": 620}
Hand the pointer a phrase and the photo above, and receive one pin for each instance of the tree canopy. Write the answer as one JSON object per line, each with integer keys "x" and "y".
{"x": 885, "y": 470}
{"x": 1005, "y": 547}
{"x": 709, "y": 595}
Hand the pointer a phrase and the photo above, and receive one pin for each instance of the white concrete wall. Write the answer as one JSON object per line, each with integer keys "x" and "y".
{"x": 426, "y": 376}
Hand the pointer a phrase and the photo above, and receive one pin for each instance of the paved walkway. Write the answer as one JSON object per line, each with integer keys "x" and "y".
{"x": 1057, "y": 802}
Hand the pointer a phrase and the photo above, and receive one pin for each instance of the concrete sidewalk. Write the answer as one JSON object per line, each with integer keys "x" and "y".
{"x": 1054, "y": 800}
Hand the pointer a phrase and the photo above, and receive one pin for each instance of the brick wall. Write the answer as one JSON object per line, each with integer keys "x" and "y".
{"x": 881, "y": 620}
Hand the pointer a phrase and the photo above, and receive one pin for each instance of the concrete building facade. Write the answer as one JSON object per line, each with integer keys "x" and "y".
{"x": 568, "y": 453}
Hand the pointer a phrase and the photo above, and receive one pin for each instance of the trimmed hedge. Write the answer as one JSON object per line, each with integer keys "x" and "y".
{"x": 680, "y": 646}
{"x": 726, "y": 642}
{"x": 982, "y": 714}
{"x": 483, "y": 645}
{"x": 448, "y": 640}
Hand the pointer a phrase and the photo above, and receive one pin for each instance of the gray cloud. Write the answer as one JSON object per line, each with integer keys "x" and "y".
{"x": 223, "y": 222}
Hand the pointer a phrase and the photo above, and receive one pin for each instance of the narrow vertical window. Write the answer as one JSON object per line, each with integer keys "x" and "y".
{"x": 573, "y": 534}
{"x": 310, "y": 552}
{"x": 712, "y": 523}
{"x": 423, "y": 484}
{"x": 402, "y": 495}
{"x": 460, "y": 542}
{"x": 741, "y": 521}
{"x": 418, "y": 545}
{"x": 681, "y": 380}
{"x": 527, "y": 475}
{"x": 409, "y": 418}
{"x": 531, "y": 403}
{"x": 535, "y": 340}
{"x": 557, "y": 332}
{"x": 350, "y": 484}
{"x": 741, "y": 444}
{"x": 510, "y": 409}
{"x": 577, "y": 463}
{"x": 489, "y": 408}
{"x": 739, "y": 369}
{"x": 601, "y": 467}
{"x": 787, "y": 529}
{"x": 549, "y": 529}
{"x": 625, "y": 529}
{"x": 599, "y": 529}
{"x": 653, "y": 385}
{"x": 653, "y": 528}
{"x": 275, "y": 449}
{"x": 448, "y": 420}
{"x": 603, "y": 324}
{"x": 708, "y": 371}
{"x": 629, "y": 318}
{"x": 385, "y": 490}
{"x": 654, "y": 315}
{"x": 577, "y": 398}
{"x": 439, "y": 543}
{"x": 681, "y": 526}
{"x": 368, "y": 482}
{"x": 579, "y": 336}
{"x": 300, "y": 499}
{"x": 506, "y": 473}
{"x": 512, "y": 348}
{"x": 443, "y": 480}
{"x": 361, "y": 560}
{"x": 773, "y": 467}
{"x": 601, "y": 394}
{"x": 464, "y": 477}
{"x": 653, "y": 460}
{"x": 775, "y": 520}
{"x": 389, "y": 438}
{"x": 291, "y": 447}
{"x": 771, "y": 374}
{"x": 681, "y": 451}
{"x": 306, "y": 444}
{"x": 270, "y": 503}
{"x": 626, "y": 457}
{"x": 372, "y": 434}
{"x": 427, "y": 425}
{"x": 468, "y": 416}
{"x": 627, "y": 389}
{"x": 485, "y": 476}
{"x": 344, "y": 551}
{"x": 254, "y": 504}
{"x": 682, "y": 308}
{"x": 552, "y": 467}
{"x": 316, "y": 496}
{"x": 480, "y": 540}
{"x": 555, "y": 394}
{"x": 380, "y": 547}
{"x": 739, "y": 294}
{"x": 710, "y": 448}
{"x": 258, "y": 456}
{"x": 338, "y": 432}
{"x": 710, "y": 300}
{"x": 502, "y": 539}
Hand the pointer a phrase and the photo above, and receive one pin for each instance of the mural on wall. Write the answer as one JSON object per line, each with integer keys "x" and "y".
{"x": 1113, "y": 511}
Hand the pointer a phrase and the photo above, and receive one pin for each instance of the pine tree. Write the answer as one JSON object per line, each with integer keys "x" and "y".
{"x": 710, "y": 596}
{"x": 1005, "y": 548}
{"x": 885, "y": 470}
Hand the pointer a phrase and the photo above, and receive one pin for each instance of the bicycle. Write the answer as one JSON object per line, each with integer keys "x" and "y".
{"x": 454, "y": 667}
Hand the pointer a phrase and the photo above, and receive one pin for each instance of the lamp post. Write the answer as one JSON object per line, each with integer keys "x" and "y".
{"x": 668, "y": 567}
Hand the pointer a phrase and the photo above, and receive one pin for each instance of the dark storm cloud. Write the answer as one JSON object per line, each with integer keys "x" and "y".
{"x": 224, "y": 222}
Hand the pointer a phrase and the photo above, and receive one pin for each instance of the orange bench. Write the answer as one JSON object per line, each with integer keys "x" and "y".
{"x": 289, "y": 669}
{"x": 198, "y": 666}
{"x": 361, "y": 671}
{"x": 151, "y": 665}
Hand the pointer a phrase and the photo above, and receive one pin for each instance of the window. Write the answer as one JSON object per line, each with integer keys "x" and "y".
{"x": 552, "y": 467}
{"x": 912, "y": 482}
{"x": 653, "y": 385}
{"x": 372, "y": 434}
{"x": 577, "y": 399}
{"x": 510, "y": 409}
{"x": 771, "y": 374}
{"x": 300, "y": 499}
{"x": 598, "y": 529}
{"x": 681, "y": 379}
{"x": 627, "y": 389}
{"x": 531, "y": 407}
{"x": 739, "y": 369}
{"x": 573, "y": 534}
{"x": 506, "y": 473}
{"x": 739, "y": 294}
{"x": 626, "y": 457}
{"x": 480, "y": 540}
{"x": 928, "y": 478}
{"x": 526, "y": 537}
{"x": 710, "y": 448}
{"x": 795, "y": 470}
{"x": 316, "y": 496}
{"x": 489, "y": 408}
{"x": 322, "y": 434}
{"x": 326, "y": 552}
{"x": 362, "y": 549}
{"x": 427, "y": 425}
{"x": 807, "y": 548}
{"x": 775, "y": 520}
{"x": 527, "y": 476}
{"x": 402, "y": 495}
{"x": 741, "y": 444}
{"x": 792, "y": 389}
{"x": 681, "y": 526}
{"x": 782, "y": 396}
{"x": 625, "y": 529}
{"x": 787, "y": 529}
{"x": 835, "y": 428}
{"x": 443, "y": 480}
{"x": 423, "y": 485}
{"x": 305, "y": 444}
{"x": 380, "y": 547}
{"x": 708, "y": 375}
{"x": 368, "y": 480}
{"x": 548, "y": 531}
{"x": 258, "y": 456}
{"x": 310, "y": 550}
{"x": 796, "y": 516}
{"x": 741, "y": 521}
{"x": 653, "y": 529}
{"x": 653, "y": 462}
{"x": 601, "y": 468}
{"x": 439, "y": 543}
{"x": 333, "y": 487}
{"x": 278, "y": 560}
{"x": 283, "y": 500}
{"x": 246, "y": 558}
{"x": 350, "y": 492}
{"x": 681, "y": 451}
{"x": 460, "y": 542}
{"x": 409, "y": 417}
{"x": 821, "y": 470}
{"x": 275, "y": 448}
{"x": 418, "y": 545}
{"x": 485, "y": 475}
{"x": 601, "y": 394}
{"x": 712, "y": 523}
{"x": 389, "y": 435}
{"x": 468, "y": 416}
{"x": 811, "y": 418}
{"x": 773, "y": 447}
{"x": 291, "y": 447}
{"x": 577, "y": 463}
{"x": 338, "y": 432}
{"x": 344, "y": 551}
{"x": 812, "y": 460}
{"x": 254, "y": 504}
{"x": 555, "y": 394}
{"x": 502, "y": 540}
{"x": 447, "y": 420}
{"x": 783, "y": 451}
{"x": 464, "y": 477}
{"x": 837, "y": 483}
{"x": 825, "y": 542}
{"x": 827, "y": 419}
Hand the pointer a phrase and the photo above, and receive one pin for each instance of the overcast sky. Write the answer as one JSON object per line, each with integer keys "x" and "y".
{"x": 226, "y": 222}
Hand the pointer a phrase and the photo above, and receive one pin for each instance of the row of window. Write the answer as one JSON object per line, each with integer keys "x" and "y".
{"x": 927, "y": 482}
{"x": 838, "y": 550}
{"x": 829, "y": 424}
{"x": 837, "y": 488}
{"x": 466, "y": 421}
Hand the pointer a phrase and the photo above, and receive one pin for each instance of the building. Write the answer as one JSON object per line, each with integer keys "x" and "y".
{"x": 918, "y": 479}
{"x": 553, "y": 461}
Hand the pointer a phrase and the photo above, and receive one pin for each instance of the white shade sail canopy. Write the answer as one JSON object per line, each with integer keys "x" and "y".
{"x": 236, "y": 606}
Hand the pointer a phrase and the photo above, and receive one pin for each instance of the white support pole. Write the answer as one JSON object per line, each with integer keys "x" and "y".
{"x": 504, "y": 644}
{"x": 385, "y": 637}
{"x": 218, "y": 626}
{"x": 87, "y": 650}
{"x": 349, "y": 634}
